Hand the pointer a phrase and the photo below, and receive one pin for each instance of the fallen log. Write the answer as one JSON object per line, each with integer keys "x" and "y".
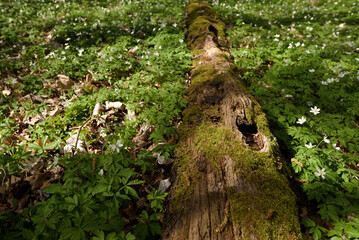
{"x": 230, "y": 181}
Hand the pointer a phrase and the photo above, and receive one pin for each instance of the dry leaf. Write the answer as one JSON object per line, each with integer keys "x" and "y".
{"x": 33, "y": 120}
{"x": 45, "y": 185}
{"x": 91, "y": 87}
{"x": 38, "y": 180}
{"x": 71, "y": 144}
{"x": 131, "y": 115}
{"x": 118, "y": 105}
{"x": 297, "y": 162}
{"x": 54, "y": 112}
{"x": 301, "y": 180}
{"x": 130, "y": 211}
{"x": 2, "y": 190}
{"x": 140, "y": 140}
{"x": 98, "y": 108}
{"x": 164, "y": 185}
{"x": 64, "y": 82}
{"x": 6, "y": 92}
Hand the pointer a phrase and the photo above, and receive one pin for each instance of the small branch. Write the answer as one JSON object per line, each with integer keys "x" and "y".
{"x": 78, "y": 134}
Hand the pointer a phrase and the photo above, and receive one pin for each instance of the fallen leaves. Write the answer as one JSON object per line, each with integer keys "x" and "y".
{"x": 20, "y": 192}
{"x": 297, "y": 162}
{"x": 64, "y": 82}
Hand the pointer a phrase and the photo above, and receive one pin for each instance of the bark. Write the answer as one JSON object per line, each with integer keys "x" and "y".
{"x": 230, "y": 181}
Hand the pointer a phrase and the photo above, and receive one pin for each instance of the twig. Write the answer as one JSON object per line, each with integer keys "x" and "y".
{"x": 2, "y": 181}
{"x": 78, "y": 134}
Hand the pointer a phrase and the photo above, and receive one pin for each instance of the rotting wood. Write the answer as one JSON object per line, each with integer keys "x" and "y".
{"x": 228, "y": 184}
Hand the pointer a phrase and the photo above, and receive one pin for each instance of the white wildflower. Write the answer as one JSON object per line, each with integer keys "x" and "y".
{"x": 335, "y": 147}
{"x": 326, "y": 139}
{"x": 310, "y": 145}
{"x": 117, "y": 146}
{"x": 301, "y": 120}
{"x": 315, "y": 110}
{"x": 320, "y": 173}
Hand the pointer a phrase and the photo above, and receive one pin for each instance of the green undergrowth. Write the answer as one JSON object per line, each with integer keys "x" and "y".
{"x": 300, "y": 59}
{"x": 131, "y": 52}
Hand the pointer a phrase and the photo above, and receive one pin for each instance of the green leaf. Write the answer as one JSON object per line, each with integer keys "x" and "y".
{"x": 317, "y": 235}
{"x": 155, "y": 217}
{"x": 122, "y": 196}
{"x": 144, "y": 215}
{"x": 27, "y": 234}
{"x": 130, "y": 236}
{"x": 131, "y": 191}
{"x": 73, "y": 233}
{"x": 135, "y": 182}
{"x": 43, "y": 141}
{"x": 34, "y": 146}
{"x": 141, "y": 230}
{"x": 51, "y": 145}
{"x": 308, "y": 222}
{"x": 55, "y": 188}
{"x": 100, "y": 235}
{"x": 112, "y": 236}
{"x": 351, "y": 231}
{"x": 99, "y": 188}
{"x": 155, "y": 228}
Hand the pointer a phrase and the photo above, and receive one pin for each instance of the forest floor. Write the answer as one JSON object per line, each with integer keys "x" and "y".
{"x": 91, "y": 95}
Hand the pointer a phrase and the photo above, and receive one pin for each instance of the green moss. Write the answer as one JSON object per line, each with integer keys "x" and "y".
{"x": 203, "y": 21}
{"x": 206, "y": 138}
{"x": 261, "y": 120}
{"x": 266, "y": 216}
{"x": 212, "y": 140}
{"x": 197, "y": 52}
{"x": 196, "y": 9}
{"x": 203, "y": 73}
{"x": 187, "y": 176}
{"x": 266, "y": 205}
{"x": 255, "y": 114}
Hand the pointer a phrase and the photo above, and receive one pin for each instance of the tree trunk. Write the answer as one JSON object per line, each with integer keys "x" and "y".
{"x": 230, "y": 181}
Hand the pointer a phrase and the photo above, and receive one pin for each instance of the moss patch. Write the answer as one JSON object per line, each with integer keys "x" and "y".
{"x": 199, "y": 8}
{"x": 268, "y": 217}
{"x": 265, "y": 206}
{"x": 203, "y": 21}
{"x": 187, "y": 176}
{"x": 214, "y": 141}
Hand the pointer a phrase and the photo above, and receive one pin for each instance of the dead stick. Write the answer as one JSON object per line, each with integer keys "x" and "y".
{"x": 78, "y": 134}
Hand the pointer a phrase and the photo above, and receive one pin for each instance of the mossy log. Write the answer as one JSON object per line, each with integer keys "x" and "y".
{"x": 230, "y": 181}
